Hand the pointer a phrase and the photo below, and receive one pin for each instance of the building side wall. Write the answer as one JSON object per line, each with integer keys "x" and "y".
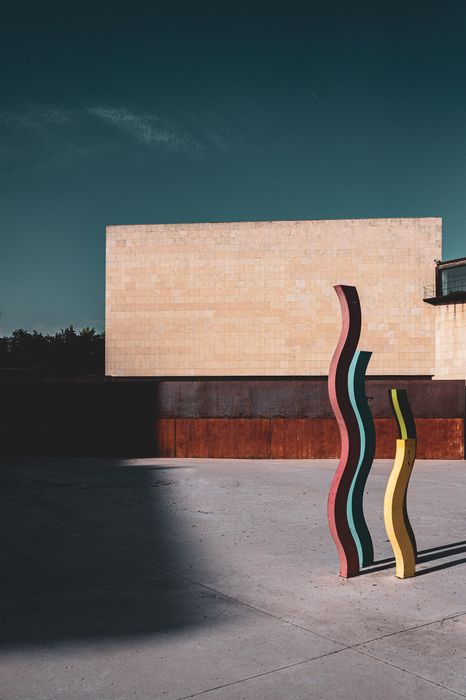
{"x": 450, "y": 342}
{"x": 256, "y": 299}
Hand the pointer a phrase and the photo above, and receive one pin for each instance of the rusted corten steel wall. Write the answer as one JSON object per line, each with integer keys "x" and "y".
{"x": 278, "y": 418}
{"x": 298, "y": 398}
{"x": 296, "y": 438}
{"x": 292, "y": 418}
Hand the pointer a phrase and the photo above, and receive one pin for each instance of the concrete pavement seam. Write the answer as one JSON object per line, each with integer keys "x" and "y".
{"x": 411, "y": 673}
{"x": 237, "y": 600}
{"x": 260, "y": 675}
{"x": 300, "y": 663}
{"x": 408, "y": 629}
{"x": 183, "y": 577}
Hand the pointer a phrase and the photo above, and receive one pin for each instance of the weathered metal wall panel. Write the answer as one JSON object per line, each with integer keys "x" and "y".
{"x": 238, "y": 418}
{"x": 223, "y": 437}
{"x": 297, "y": 398}
{"x": 164, "y": 437}
{"x": 441, "y": 438}
{"x": 303, "y": 438}
{"x": 427, "y": 398}
{"x": 438, "y": 438}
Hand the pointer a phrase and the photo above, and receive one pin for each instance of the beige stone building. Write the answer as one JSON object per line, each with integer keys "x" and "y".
{"x": 449, "y": 296}
{"x": 450, "y": 342}
{"x": 233, "y": 326}
{"x": 257, "y": 299}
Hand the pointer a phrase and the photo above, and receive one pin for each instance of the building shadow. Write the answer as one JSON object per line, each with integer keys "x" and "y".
{"x": 67, "y": 418}
{"x": 95, "y": 549}
{"x": 426, "y": 555}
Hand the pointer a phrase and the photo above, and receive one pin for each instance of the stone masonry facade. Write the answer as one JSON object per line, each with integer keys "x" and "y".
{"x": 257, "y": 298}
{"x": 450, "y": 342}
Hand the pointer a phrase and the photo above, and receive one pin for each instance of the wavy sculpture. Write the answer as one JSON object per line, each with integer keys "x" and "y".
{"x": 396, "y": 518}
{"x": 406, "y": 430}
{"x": 355, "y": 512}
{"x": 338, "y": 388}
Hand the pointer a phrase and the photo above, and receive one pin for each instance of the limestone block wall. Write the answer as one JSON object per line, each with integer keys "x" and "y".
{"x": 257, "y": 298}
{"x": 450, "y": 342}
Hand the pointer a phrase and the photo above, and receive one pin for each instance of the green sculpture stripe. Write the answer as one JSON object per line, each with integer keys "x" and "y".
{"x": 399, "y": 416}
{"x": 403, "y": 414}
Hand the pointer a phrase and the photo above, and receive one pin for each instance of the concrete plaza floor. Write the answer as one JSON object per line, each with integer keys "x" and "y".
{"x": 165, "y": 578}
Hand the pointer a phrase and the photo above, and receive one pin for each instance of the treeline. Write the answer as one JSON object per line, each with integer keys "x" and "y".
{"x": 67, "y": 352}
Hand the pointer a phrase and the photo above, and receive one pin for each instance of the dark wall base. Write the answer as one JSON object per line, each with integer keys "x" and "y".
{"x": 281, "y": 419}
{"x": 295, "y": 438}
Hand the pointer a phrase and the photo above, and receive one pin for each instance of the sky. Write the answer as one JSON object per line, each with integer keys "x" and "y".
{"x": 164, "y": 112}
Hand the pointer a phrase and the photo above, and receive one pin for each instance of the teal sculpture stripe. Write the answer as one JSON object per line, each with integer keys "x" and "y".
{"x": 355, "y": 511}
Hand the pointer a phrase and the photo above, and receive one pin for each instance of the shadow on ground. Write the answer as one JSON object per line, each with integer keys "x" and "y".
{"x": 426, "y": 555}
{"x": 87, "y": 549}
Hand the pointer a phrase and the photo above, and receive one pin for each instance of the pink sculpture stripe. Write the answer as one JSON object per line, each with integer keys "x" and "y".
{"x": 349, "y": 430}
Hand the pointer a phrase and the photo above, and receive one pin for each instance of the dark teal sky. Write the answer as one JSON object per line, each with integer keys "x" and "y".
{"x": 115, "y": 113}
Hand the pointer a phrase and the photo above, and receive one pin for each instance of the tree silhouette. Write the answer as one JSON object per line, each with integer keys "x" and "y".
{"x": 65, "y": 353}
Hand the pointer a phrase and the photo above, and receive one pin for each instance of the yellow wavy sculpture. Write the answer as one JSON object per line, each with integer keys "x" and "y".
{"x": 395, "y": 515}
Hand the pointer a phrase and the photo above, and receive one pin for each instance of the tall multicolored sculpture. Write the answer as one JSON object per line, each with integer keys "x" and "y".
{"x": 346, "y": 384}
{"x": 346, "y": 413}
{"x": 356, "y": 519}
{"x": 397, "y": 523}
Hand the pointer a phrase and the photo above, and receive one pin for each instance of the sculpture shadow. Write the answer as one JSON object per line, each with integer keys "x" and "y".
{"x": 426, "y": 555}
{"x": 95, "y": 549}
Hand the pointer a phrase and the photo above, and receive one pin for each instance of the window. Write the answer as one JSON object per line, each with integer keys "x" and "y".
{"x": 452, "y": 279}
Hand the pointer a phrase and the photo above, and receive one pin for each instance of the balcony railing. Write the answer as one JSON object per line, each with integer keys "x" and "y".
{"x": 453, "y": 290}
{"x": 429, "y": 292}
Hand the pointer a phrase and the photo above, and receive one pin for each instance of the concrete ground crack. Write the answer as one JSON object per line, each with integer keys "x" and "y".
{"x": 408, "y": 629}
{"x": 260, "y": 675}
{"x": 411, "y": 673}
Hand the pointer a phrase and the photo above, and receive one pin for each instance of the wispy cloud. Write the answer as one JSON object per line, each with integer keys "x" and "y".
{"x": 50, "y": 134}
{"x": 33, "y": 118}
{"x": 146, "y": 129}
